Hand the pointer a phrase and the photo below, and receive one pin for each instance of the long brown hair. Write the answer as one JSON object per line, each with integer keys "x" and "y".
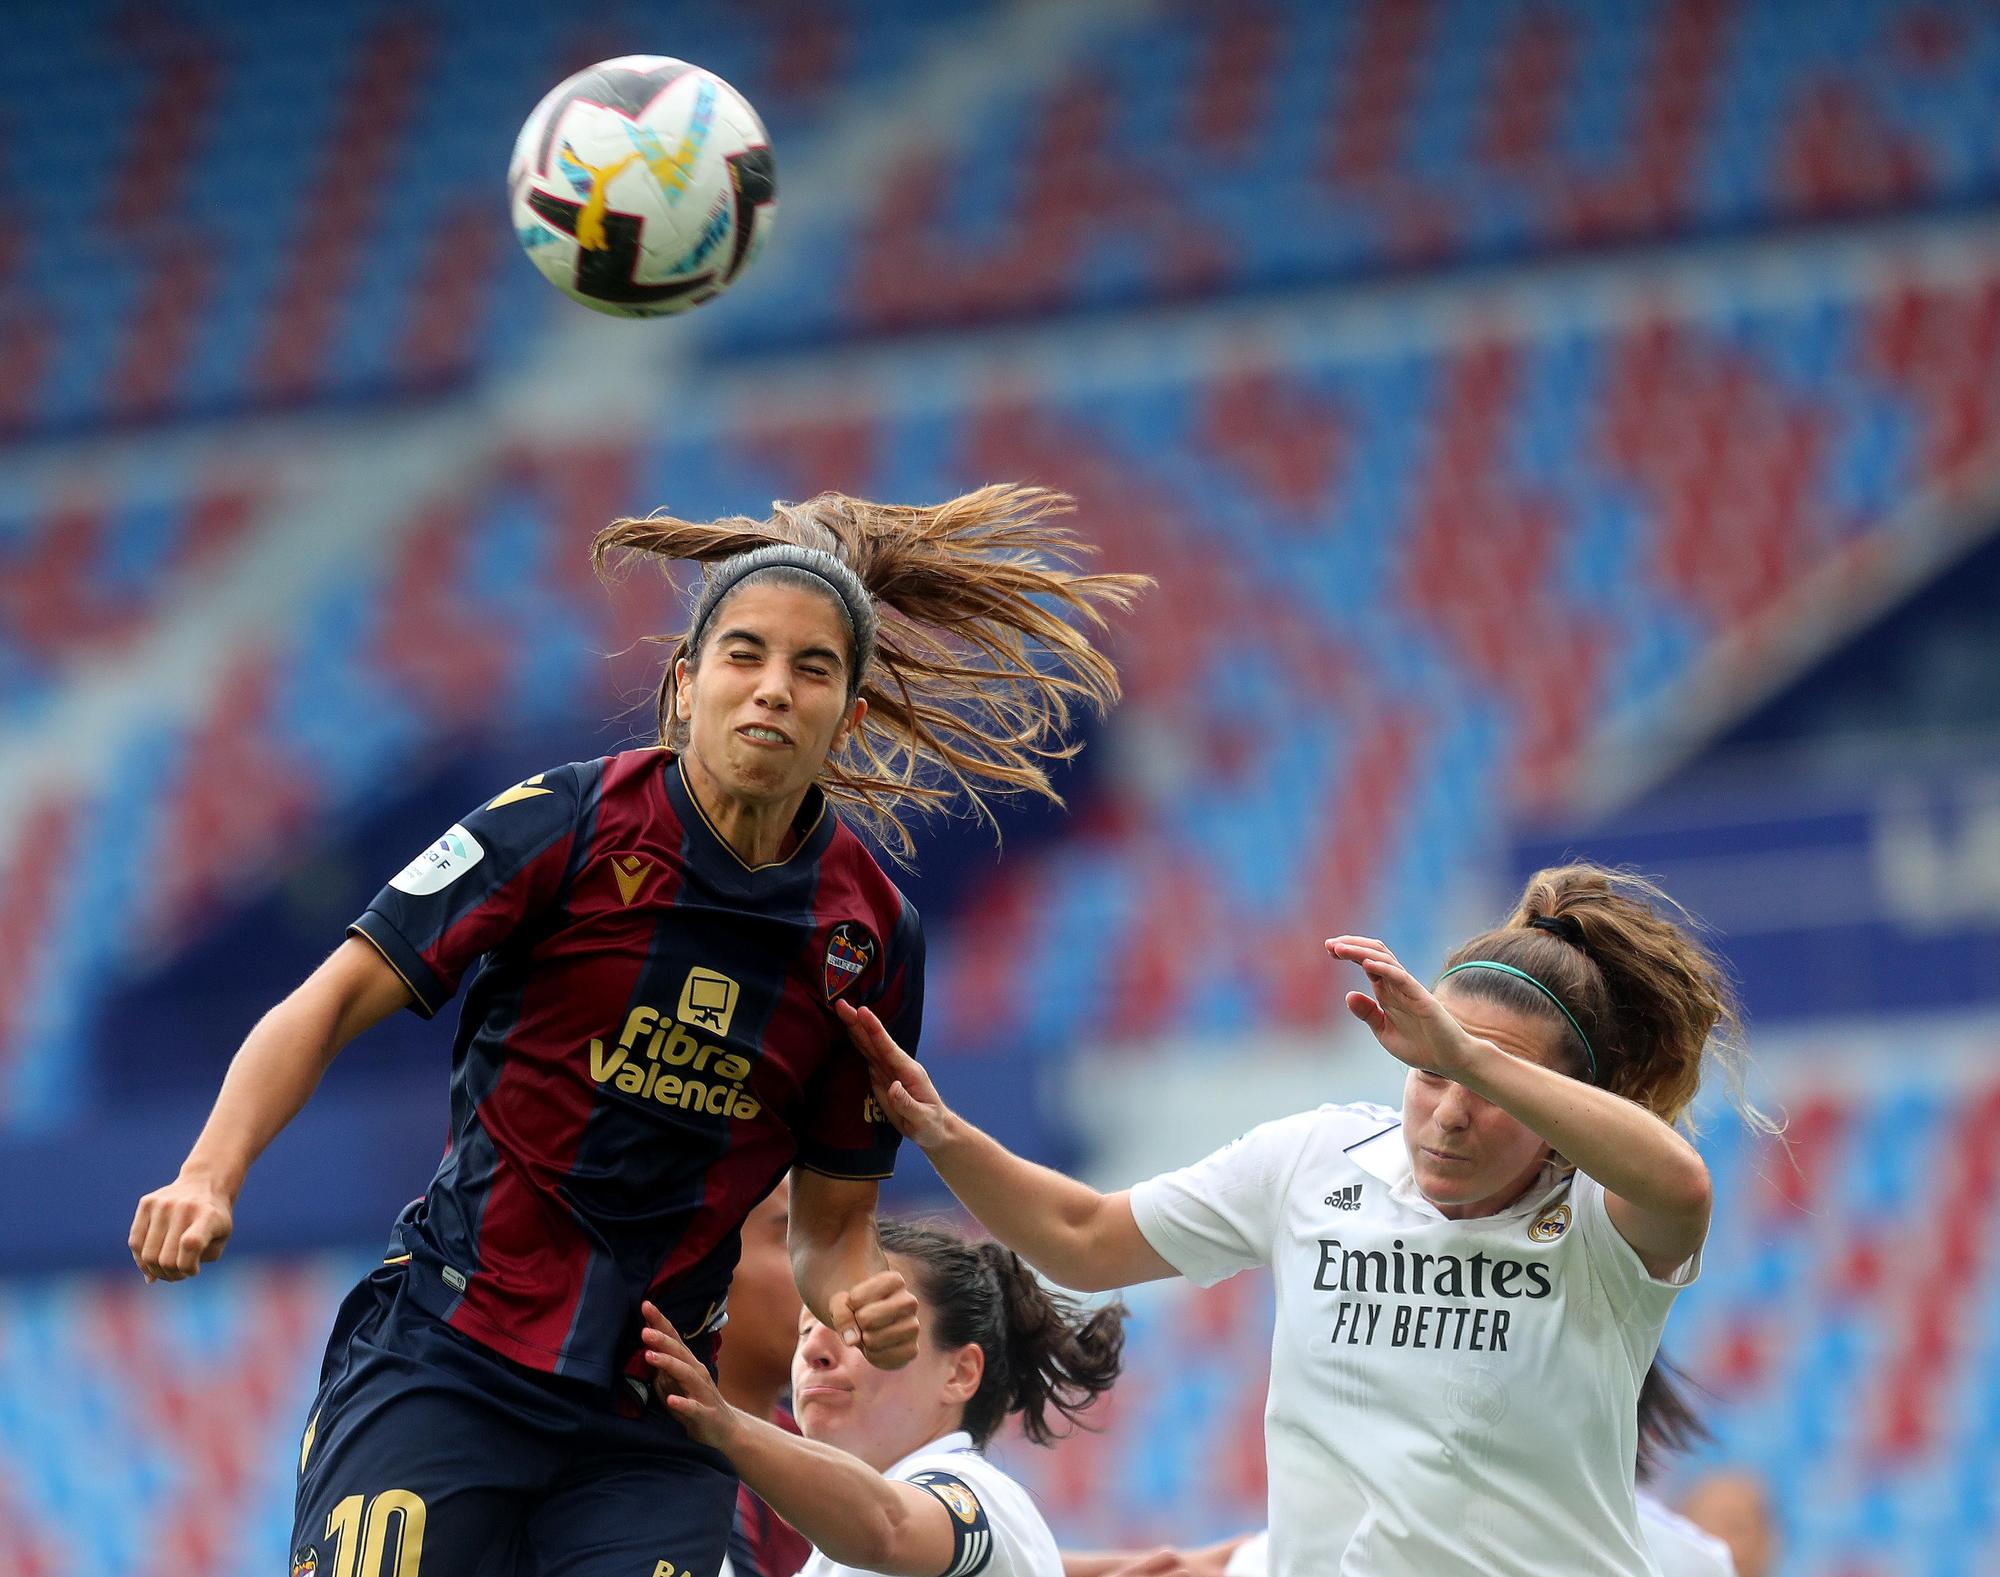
{"x": 1631, "y": 966}
{"x": 1045, "y": 1353}
{"x": 955, "y": 595}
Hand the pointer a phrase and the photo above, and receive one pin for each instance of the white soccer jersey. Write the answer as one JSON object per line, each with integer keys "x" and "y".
{"x": 1680, "y": 1548}
{"x": 1447, "y": 1397}
{"x": 1001, "y": 1532}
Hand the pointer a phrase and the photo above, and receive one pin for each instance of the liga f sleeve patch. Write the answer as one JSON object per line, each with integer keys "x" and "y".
{"x": 474, "y": 887}
{"x": 971, "y": 1538}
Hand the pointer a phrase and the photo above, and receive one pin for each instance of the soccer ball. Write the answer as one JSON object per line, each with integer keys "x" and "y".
{"x": 642, "y": 186}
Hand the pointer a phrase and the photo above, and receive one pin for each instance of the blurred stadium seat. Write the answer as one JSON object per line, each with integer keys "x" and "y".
{"x": 1198, "y": 149}
{"x": 233, "y": 210}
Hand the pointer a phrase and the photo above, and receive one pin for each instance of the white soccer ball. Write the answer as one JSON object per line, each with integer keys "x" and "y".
{"x": 642, "y": 186}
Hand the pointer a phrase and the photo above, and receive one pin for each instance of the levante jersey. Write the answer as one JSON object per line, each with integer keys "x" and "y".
{"x": 647, "y": 1043}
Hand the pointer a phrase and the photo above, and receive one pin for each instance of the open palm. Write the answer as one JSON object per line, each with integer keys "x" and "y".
{"x": 909, "y": 1099}
{"x": 1411, "y": 1024}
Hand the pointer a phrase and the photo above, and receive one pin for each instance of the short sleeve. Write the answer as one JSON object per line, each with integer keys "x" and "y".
{"x": 845, "y": 1132}
{"x": 899, "y": 1000}
{"x": 1251, "y": 1558}
{"x": 473, "y": 888}
{"x": 1220, "y": 1215}
{"x": 1616, "y": 1262}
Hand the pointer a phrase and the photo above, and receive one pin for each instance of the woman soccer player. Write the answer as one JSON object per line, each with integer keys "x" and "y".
{"x": 655, "y": 941}
{"x": 1470, "y": 1294}
{"x": 892, "y": 1475}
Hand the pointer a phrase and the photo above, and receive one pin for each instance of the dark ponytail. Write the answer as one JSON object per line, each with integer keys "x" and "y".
{"x": 1668, "y": 1420}
{"x": 1044, "y": 1353}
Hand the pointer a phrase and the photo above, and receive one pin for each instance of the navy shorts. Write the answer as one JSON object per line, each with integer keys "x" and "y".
{"x": 427, "y": 1455}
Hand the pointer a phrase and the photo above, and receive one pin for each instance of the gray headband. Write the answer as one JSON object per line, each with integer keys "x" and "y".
{"x": 755, "y": 562}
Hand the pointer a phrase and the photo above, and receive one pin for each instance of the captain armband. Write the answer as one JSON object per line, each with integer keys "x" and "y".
{"x": 971, "y": 1538}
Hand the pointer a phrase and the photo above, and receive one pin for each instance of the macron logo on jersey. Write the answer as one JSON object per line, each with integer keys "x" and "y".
{"x": 1346, "y": 1198}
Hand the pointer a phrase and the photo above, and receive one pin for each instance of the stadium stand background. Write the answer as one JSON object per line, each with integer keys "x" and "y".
{"x": 1553, "y": 425}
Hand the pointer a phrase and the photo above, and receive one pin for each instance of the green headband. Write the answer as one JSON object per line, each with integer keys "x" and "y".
{"x": 1522, "y": 974}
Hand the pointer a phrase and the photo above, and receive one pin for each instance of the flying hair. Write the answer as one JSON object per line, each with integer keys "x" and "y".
{"x": 972, "y": 635}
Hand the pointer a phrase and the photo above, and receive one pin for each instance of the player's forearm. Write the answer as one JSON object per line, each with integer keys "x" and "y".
{"x": 824, "y": 1263}
{"x": 1053, "y": 1222}
{"x": 1210, "y": 1561}
{"x": 269, "y": 1080}
{"x": 1615, "y": 1141}
{"x": 846, "y": 1509}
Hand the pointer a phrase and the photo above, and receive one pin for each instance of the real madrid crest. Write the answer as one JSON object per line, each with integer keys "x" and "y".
{"x": 1550, "y": 1224}
{"x": 849, "y": 952}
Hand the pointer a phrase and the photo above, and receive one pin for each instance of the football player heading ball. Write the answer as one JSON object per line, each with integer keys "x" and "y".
{"x": 652, "y": 944}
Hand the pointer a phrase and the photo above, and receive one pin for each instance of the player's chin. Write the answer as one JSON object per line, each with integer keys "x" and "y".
{"x": 1453, "y": 1181}
{"x": 762, "y": 774}
{"x": 818, "y": 1412}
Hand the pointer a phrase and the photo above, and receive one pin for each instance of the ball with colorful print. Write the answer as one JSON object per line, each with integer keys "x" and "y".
{"x": 642, "y": 186}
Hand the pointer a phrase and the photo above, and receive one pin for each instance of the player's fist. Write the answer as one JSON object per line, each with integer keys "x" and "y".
{"x": 878, "y": 1315}
{"x": 180, "y": 1228}
{"x": 908, "y": 1097}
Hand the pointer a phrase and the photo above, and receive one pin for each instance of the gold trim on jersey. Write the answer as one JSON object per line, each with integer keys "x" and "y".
{"x": 805, "y": 837}
{"x": 423, "y": 1001}
{"x": 846, "y": 1177}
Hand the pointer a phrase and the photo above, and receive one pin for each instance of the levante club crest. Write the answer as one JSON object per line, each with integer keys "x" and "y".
{"x": 849, "y": 952}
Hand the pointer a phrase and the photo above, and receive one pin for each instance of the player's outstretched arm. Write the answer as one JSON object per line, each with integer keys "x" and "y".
{"x": 1656, "y": 1185}
{"x": 185, "y": 1225}
{"x": 1212, "y": 1561}
{"x": 850, "y": 1512}
{"x": 841, "y": 1272}
{"x": 1066, "y": 1229}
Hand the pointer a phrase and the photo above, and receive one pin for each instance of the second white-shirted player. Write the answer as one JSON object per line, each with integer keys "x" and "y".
{"x": 892, "y": 1475}
{"x": 1667, "y": 1424}
{"x": 1679, "y": 1548}
{"x": 1470, "y": 1292}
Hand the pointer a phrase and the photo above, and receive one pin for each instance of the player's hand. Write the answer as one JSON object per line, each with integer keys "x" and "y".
{"x": 878, "y": 1315}
{"x": 1161, "y": 1563}
{"x": 180, "y": 1228}
{"x": 1411, "y": 1024}
{"x": 683, "y": 1384}
{"x": 908, "y": 1097}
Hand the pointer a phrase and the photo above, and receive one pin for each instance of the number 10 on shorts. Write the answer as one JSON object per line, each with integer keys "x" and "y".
{"x": 361, "y": 1527}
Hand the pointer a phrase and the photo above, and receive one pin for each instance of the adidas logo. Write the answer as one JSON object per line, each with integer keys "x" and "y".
{"x": 1347, "y": 1198}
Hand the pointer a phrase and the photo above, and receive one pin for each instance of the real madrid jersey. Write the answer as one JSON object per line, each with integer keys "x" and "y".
{"x": 1447, "y": 1397}
{"x": 647, "y": 1043}
{"x": 1679, "y": 1547}
{"x": 999, "y": 1531}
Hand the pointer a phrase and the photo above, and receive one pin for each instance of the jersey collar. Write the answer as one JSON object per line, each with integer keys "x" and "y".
{"x": 1384, "y": 1155}
{"x": 814, "y": 823}
{"x": 957, "y": 1440}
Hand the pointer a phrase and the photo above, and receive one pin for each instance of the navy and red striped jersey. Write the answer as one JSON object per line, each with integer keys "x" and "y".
{"x": 647, "y": 1043}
